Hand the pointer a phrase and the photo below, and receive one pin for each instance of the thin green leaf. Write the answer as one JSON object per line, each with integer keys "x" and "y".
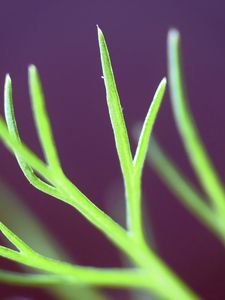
{"x": 115, "y": 110}
{"x": 146, "y": 131}
{"x": 132, "y": 193}
{"x": 171, "y": 286}
{"x": 13, "y": 130}
{"x": 71, "y": 194}
{"x": 76, "y": 198}
{"x": 42, "y": 120}
{"x": 183, "y": 188}
{"x": 192, "y": 142}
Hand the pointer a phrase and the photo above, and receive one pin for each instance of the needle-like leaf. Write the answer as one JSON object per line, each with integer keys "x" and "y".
{"x": 42, "y": 120}
{"x": 115, "y": 110}
{"x": 120, "y": 135}
{"x": 145, "y": 134}
{"x": 185, "y": 123}
{"x": 13, "y": 130}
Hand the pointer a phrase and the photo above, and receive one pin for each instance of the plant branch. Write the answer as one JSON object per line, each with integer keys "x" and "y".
{"x": 124, "y": 279}
{"x": 158, "y": 280}
{"x": 42, "y": 119}
{"x": 194, "y": 147}
{"x": 157, "y": 275}
{"x": 13, "y": 130}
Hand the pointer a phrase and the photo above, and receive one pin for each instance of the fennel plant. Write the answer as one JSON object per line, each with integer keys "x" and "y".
{"x": 149, "y": 272}
{"x": 209, "y": 207}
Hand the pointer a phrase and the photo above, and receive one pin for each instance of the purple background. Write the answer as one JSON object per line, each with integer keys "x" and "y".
{"x": 60, "y": 38}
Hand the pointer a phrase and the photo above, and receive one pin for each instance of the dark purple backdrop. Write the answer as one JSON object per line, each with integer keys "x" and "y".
{"x": 60, "y": 38}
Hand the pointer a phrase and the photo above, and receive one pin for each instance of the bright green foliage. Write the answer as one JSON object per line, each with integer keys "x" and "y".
{"x": 131, "y": 168}
{"x": 147, "y": 127}
{"x": 209, "y": 208}
{"x": 12, "y": 127}
{"x": 149, "y": 272}
{"x": 188, "y": 130}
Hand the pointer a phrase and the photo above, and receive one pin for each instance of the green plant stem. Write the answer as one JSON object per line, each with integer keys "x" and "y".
{"x": 69, "y": 274}
{"x": 118, "y": 123}
{"x": 123, "y": 280}
{"x": 167, "y": 284}
{"x": 196, "y": 151}
{"x": 154, "y": 275}
{"x": 160, "y": 275}
{"x": 141, "y": 255}
{"x": 131, "y": 168}
{"x": 42, "y": 120}
{"x": 72, "y": 195}
{"x": 13, "y": 130}
{"x": 135, "y": 196}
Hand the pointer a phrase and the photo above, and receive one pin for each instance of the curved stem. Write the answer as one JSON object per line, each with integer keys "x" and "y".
{"x": 166, "y": 282}
{"x": 187, "y": 128}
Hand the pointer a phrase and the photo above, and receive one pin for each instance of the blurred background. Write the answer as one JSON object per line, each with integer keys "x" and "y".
{"x": 60, "y": 38}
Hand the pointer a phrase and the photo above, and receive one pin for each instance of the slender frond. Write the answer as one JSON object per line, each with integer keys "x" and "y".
{"x": 196, "y": 151}
{"x": 42, "y": 119}
{"x": 13, "y": 130}
{"x": 148, "y": 126}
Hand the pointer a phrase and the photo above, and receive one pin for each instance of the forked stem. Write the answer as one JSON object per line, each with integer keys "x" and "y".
{"x": 158, "y": 276}
{"x": 162, "y": 281}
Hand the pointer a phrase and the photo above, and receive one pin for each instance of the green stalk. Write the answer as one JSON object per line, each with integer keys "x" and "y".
{"x": 137, "y": 252}
{"x": 152, "y": 273}
{"x": 194, "y": 147}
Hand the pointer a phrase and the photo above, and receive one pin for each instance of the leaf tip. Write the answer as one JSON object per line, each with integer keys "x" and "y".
{"x": 7, "y": 79}
{"x": 99, "y": 30}
{"x": 163, "y": 82}
{"x": 7, "y": 89}
{"x": 162, "y": 86}
{"x": 32, "y": 70}
{"x": 101, "y": 38}
{"x": 173, "y": 35}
